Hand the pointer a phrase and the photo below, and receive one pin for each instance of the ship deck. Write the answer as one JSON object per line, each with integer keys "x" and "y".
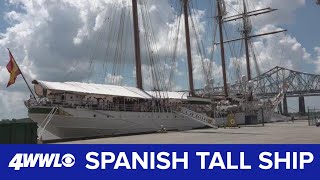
{"x": 297, "y": 132}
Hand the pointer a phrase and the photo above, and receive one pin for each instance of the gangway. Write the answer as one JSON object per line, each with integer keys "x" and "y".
{"x": 203, "y": 119}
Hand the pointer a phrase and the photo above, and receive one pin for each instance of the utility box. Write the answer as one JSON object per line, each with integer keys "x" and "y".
{"x": 22, "y": 131}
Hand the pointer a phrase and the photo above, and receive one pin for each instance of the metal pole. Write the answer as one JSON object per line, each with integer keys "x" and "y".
{"x": 308, "y": 116}
{"x": 22, "y": 75}
{"x": 223, "y": 61}
{"x": 188, "y": 44}
{"x": 262, "y": 116}
{"x": 246, "y": 39}
{"x": 137, "y": 43}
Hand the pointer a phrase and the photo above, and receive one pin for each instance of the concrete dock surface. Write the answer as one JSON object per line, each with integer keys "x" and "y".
{"x": 297, "y": 132}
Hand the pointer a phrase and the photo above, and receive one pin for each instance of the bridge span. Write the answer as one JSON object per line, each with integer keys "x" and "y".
{"x": 270, "y": 83}
{"x": 299, "y": 84}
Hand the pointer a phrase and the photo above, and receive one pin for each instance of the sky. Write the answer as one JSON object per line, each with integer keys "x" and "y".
{"x": 305, "y": 27}
{"x": 55, "y": 41}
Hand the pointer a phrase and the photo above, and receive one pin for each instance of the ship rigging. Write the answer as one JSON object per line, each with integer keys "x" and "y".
{"x": 73, "y": 109}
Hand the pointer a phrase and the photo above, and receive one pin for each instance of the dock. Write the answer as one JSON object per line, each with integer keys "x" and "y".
{"x": 297, "y": 132}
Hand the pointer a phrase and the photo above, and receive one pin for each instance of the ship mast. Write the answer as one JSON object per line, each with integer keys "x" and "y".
{"x": 137, "y": 43}
{"x": 223, "y": 59}
{"x": 188, "y": 44}
{"x": 246, "y": 31}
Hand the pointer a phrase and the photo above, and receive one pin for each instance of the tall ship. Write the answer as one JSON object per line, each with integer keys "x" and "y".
{"x": 79, "y": 109}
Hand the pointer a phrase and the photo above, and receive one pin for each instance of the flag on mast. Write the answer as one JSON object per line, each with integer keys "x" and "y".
{"x": 13, "y": 69}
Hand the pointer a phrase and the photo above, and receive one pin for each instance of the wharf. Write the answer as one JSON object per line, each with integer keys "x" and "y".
{"x": 297, "y": 132}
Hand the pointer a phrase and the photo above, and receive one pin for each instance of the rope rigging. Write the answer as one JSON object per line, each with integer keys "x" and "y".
{"x": 174, "y": 54}
{"x": 107, "y": 21}
{"x": 162, "y": 68}
{"x": 200, "y": 46}
{"x": 157, "y": 67}
{"x": 117, "y": 59}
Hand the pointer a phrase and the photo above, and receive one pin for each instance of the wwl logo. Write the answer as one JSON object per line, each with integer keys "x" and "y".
{"x": 29, "y": 160}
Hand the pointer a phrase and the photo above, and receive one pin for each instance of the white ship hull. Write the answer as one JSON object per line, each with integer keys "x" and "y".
{"x": 81, "y": 123}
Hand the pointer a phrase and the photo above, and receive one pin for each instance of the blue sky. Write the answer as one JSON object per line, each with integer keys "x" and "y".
{"x": 306, "y": 26}
{"x": 3, "y": 9}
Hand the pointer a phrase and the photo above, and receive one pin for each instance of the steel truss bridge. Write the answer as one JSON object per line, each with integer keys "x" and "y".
{"x": 298, "y": 83}
{"x": 270, "y": 83}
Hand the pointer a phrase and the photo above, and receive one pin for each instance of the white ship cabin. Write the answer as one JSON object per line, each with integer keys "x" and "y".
{"x": 104, "y": 97}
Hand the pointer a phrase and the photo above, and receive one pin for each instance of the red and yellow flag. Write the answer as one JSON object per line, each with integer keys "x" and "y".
{"x": 13, "y": 69}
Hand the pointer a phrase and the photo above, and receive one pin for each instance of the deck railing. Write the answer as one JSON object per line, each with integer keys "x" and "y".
{"x": 148, "y": 106}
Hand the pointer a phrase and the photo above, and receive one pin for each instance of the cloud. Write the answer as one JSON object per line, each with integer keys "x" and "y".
{"x": 317, "y": 50}
{"x": 281, "y": 50}
{"x": 317, "y": 62}
{"x": 110, "y": 79}
{"x": 284, "y": 15}
{"x": 10, "y": 105}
